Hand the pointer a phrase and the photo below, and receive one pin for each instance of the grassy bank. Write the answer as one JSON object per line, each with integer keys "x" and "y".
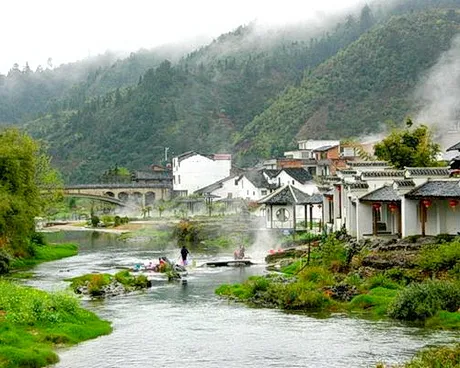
{"x": 33, "y": 323}
{"x": 423, "y": 290}
{"x": 44, "y": 253}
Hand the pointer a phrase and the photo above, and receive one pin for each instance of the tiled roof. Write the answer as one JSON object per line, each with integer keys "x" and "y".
{"x": 383, "y": 194}
{"x": 368, "y": 163}
{"x": 358, "y": 185}
{"x": 348, "y": 172}
{"x": 271, "y": 172}
{"x": 299, "y": 174}
{"x": 324, "y": 148}
{"x": 286, "y": 195}
{"x": 211, "y": 187}
{"x": 455, "y": 147}
{"x": 404, "y": 183}
{"x": 315, "y": 198}
{"x": 383, "y": 174}
{"x": 256, "y": 177}
{"x": 331, "y": 178}
{"x": 436, "y": 188}
{"x": 428, "y": 171}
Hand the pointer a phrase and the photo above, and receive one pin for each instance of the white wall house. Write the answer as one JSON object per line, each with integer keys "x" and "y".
{"x": 251, "y": 186}
{"x": 414, "y": 201}
{"x": 192, "y": 170}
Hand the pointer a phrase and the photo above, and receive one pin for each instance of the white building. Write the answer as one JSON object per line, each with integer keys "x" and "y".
{"x": 192, "y": 170}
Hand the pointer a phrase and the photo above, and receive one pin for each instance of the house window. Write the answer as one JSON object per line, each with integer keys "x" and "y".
{"x": 236, "y": 182}
{"x": 247, "y": 192}
{"x": 279, "y": 181}
{"x": 174, "y": 179}
{"x": 230, "y": 195}
{"x": 253, "y": 193}
{"x": 282, "y": 215}
{"x": 293, "y": 182}
{"x": 178, "y": 178}
{"x": 263, "y": 192}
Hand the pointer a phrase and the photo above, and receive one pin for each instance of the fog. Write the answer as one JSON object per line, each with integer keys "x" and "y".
{"x": 438, "y": 95}
{"x": 70, "y": 31}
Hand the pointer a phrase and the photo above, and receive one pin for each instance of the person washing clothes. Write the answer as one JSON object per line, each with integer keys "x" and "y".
{"x": 184, "y": 253}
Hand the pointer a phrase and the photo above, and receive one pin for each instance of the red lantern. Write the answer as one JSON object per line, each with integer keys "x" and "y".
{"x": 376, "y": 206}
{"x": 330, "y": 198}
{"x": 392, "y": 207}
{"x": 339, "y": 188}
{"x": 426, "y": 203}
{"x": 453, "y": 203}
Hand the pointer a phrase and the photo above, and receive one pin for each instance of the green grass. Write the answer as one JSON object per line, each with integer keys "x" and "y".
{"x": 45, "y": 253}
{"x": 33, "y": 323}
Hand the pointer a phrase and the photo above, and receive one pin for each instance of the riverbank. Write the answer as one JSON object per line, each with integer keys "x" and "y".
{"x": 33, "y": 322}
{"x": 416, "y": 281}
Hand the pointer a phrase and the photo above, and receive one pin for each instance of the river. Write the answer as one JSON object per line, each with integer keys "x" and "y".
{"x": 186, "y": 325}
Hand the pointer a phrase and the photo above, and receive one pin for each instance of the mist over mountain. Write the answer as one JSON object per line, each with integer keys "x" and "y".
{"x": 251, "y": 92}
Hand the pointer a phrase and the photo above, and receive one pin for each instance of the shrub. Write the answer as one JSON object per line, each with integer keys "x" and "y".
{"x": 421, "y": 301}
{"x": 95, "y": 221}
{"x": 439, "y": 257}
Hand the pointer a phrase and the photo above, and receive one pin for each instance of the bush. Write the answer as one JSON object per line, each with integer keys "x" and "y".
{"x": 95, "y": 221}
{"x": 439, "y": 257}
{"x": 421, "y": 301}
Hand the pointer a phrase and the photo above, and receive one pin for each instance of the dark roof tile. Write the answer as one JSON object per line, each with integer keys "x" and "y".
{"x": 455, "y": 147}
{"x": 286, "y": 195}
{"x": 383, "y": 174}
{"x": 368, "y": 163}
{"x": 404, "y": 183}
{"x": 428, "y": 171}
{"x": 436, "y": 188}
{"x": 299, "y": 174}
{"x": 383, "y": 194}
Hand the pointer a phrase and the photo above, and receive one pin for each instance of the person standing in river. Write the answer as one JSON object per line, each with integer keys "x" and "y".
{"x": 184, "y": 253}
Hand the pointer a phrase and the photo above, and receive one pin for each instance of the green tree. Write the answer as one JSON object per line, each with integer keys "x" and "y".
{"x": 409, "y": 147}
{"x": 23, "y": 167}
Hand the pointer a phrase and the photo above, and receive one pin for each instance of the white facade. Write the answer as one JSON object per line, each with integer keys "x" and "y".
{"x": 284, "y": 178}
{"x": 193, "y": 171}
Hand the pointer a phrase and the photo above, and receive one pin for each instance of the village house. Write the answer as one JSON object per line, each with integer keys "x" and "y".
{"x": 192, "y": 171}
{"x": 387, "y": 202}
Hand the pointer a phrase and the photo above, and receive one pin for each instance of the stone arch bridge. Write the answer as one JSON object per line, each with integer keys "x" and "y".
{"x": 131, "y": 195}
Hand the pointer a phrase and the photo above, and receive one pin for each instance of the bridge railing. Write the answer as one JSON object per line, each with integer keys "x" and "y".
{"x": 117, "y": 186}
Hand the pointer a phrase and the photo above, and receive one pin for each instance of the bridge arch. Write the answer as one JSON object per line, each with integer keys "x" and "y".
{"x": 123, "y": 196}
{"x": 109, "y": 194}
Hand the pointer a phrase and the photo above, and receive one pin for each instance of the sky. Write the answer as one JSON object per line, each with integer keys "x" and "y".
{"x": 70, "y": 30}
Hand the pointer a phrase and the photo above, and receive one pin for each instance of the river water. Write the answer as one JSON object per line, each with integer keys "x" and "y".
{"x": 186, "y": 325}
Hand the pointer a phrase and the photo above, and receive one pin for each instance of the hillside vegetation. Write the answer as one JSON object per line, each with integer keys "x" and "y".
{"x": 248, "y": 93}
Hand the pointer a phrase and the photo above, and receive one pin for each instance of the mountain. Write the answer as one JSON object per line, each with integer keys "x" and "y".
{"x": 248, "y": 92}
{"x": 356, "y": 91}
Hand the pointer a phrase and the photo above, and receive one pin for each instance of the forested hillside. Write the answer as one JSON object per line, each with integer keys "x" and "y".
{"x": 355, "y": 92}
{"x": 249, "y": 93}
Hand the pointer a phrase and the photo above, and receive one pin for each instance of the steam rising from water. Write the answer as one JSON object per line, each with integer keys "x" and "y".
{"x": 440, "y": 95}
